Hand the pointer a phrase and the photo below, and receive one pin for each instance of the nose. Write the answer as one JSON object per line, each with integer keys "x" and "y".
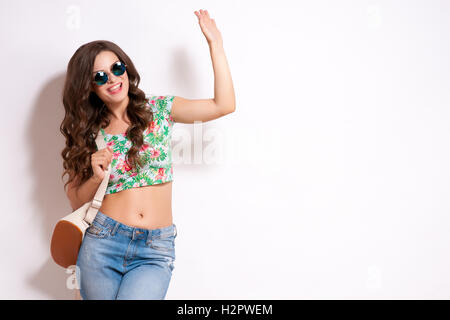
{"x": 112, "y": 78}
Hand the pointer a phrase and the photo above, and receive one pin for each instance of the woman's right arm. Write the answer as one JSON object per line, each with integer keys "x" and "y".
{"x": 84, "y": 193}
{"x": 79, "y": 195}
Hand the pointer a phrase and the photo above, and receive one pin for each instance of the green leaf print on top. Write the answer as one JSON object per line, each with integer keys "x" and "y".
{"x": 156, "y": 153}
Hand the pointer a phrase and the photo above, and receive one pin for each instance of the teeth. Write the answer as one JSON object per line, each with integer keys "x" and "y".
{"x": 115, "y": 87}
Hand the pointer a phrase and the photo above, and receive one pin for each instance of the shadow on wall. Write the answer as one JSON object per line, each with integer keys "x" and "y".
{"x": 50, "y": 201}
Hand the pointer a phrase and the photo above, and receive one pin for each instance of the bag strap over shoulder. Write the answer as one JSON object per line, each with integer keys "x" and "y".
{"x": 99, "y": 195}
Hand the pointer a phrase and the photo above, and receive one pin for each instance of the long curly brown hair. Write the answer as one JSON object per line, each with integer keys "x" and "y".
{"x": 85, "y": 112}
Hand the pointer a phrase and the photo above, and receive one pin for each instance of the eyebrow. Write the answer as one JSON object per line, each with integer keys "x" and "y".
{"x": 109, "y": 67}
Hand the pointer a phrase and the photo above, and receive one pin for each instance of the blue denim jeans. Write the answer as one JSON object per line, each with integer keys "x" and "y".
{"x": 117, "y": 261}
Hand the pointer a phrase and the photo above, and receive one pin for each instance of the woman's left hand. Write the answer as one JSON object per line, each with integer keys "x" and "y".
{"x": 208, "y": 26}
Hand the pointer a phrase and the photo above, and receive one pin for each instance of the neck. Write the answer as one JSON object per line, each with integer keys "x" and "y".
{"x": 119, "y": 110}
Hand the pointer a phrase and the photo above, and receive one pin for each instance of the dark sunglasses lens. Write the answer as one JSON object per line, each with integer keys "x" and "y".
{"x": 118, "y": 68}
{"x": 101, "y": 78}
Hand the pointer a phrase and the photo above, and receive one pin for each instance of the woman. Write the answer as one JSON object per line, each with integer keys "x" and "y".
{"x": 128, "y": 251}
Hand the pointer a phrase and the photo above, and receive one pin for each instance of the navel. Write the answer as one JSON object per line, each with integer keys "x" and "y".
{"x": 141, "y": 215}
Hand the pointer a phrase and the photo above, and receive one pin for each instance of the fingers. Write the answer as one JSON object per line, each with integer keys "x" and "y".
{"x": 100, "y": 162}
{"x": 202, "y": 13}
{"x": 104, "y": 154}
{"x": 101, "y": 159}
{"x": 110, "y": 154}
{"x": 106, "y": 164}
{"x": 107, "y": 153}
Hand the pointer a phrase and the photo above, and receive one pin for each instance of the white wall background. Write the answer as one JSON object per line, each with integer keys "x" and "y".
{"x": 333, "y": 181}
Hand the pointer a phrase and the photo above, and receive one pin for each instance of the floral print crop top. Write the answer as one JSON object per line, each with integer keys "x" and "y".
{"x": 156, "y": 151}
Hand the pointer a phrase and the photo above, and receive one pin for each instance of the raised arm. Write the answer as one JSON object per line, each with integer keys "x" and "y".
{"x": 224, "y": 101}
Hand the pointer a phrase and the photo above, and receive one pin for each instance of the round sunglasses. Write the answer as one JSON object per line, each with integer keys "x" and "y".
{"x": 118, "y": 69}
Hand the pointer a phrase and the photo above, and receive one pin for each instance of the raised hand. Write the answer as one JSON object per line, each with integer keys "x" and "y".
{"x": 209, "y": 28}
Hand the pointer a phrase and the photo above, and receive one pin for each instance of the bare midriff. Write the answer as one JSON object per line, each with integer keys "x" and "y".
{"x": 148, "y": 207}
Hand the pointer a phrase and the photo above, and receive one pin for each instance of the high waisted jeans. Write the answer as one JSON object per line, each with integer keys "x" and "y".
{"x": 117, "y": 261}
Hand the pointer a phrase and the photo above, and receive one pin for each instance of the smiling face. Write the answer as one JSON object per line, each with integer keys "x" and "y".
{"x": 115, "y": 90}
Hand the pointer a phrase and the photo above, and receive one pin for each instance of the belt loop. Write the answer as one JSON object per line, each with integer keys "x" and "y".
{"x": 116, "y": 226}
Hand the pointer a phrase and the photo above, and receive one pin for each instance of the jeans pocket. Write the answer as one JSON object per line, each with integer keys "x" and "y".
{"x": 163, "y": 243}
{"x": 96, "y": 230}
